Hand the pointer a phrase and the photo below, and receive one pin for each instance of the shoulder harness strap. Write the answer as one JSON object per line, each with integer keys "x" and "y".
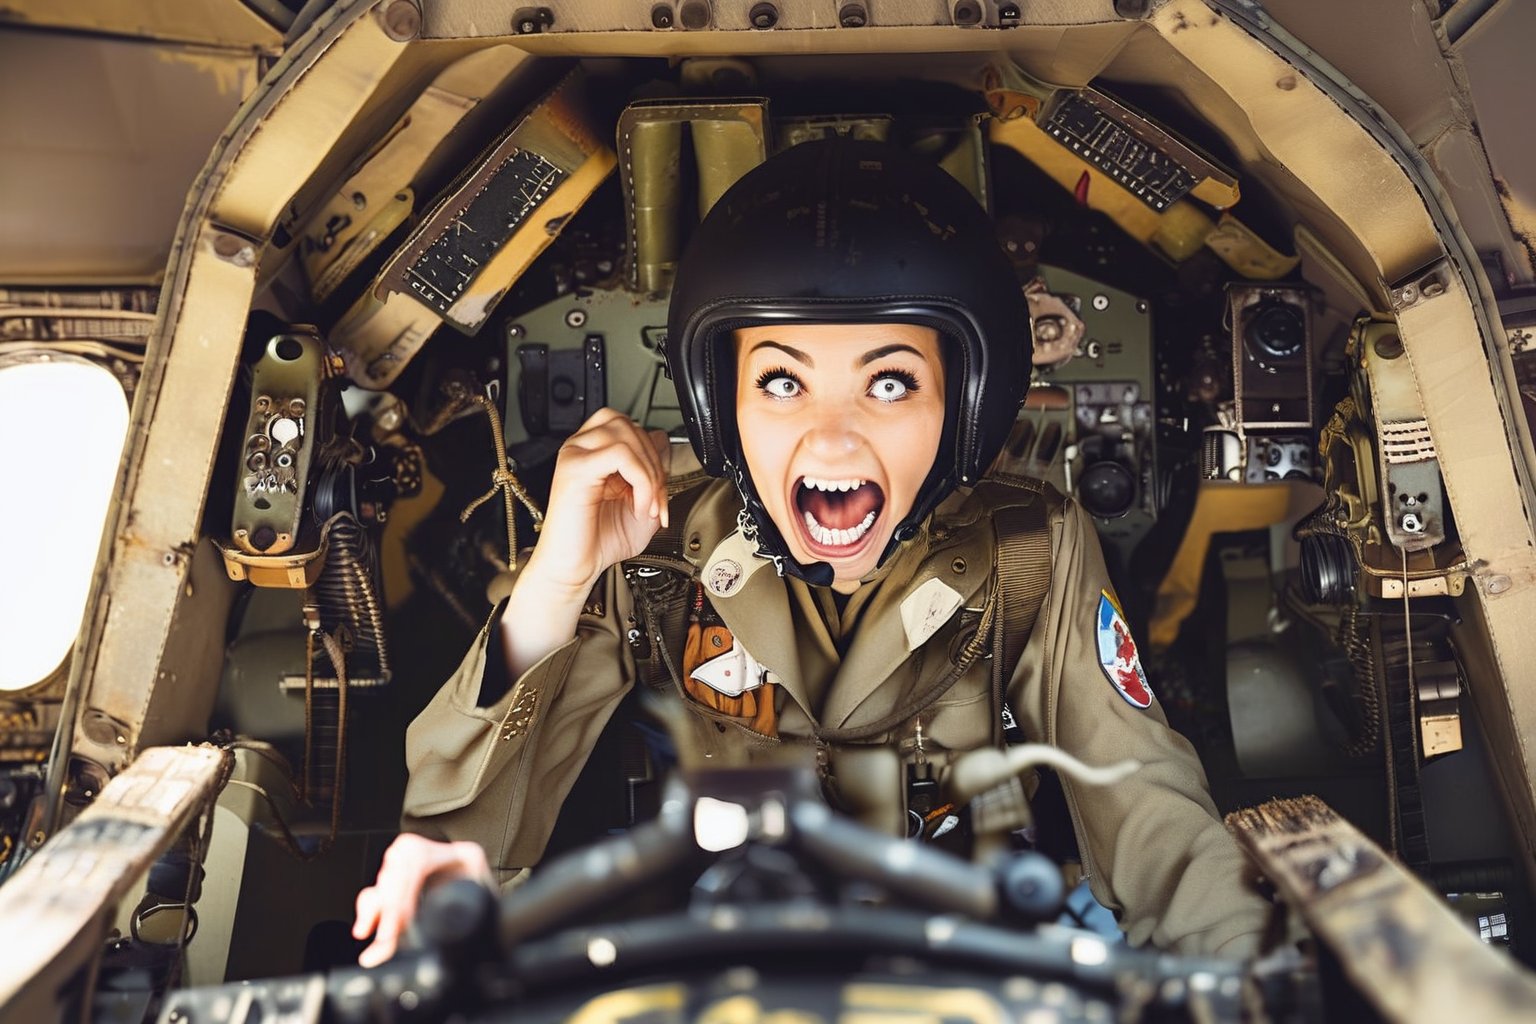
{"x": 683, "y": 492}
{"x": 1022, "y": 524}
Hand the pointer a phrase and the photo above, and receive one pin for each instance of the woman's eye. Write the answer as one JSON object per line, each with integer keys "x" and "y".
{"x": 891, "y": 387}
{"x": 781, "y": 386}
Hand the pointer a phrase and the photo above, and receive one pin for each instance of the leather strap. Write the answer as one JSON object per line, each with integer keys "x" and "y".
{"x": 1023, "y": 574}
{"x": 662, "y": 600}
{"x": 1021, "y": 526}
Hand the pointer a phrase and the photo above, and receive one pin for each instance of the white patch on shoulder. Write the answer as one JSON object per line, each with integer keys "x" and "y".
{"x": 926, "y": 609}
{"x": 732, "y": 673}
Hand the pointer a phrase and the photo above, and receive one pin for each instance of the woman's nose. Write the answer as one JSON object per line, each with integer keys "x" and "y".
{"x": 833, "y": 430}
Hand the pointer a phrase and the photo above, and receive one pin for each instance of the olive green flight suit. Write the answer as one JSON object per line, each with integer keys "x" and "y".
{"x": 1152, "y": 846}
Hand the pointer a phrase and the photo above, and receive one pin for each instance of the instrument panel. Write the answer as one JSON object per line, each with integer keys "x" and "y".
{"x": 470, "y": 233}
{"x": 1143, "y": 158}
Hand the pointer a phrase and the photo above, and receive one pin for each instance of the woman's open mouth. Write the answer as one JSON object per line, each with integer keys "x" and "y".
{"x": 836, "y": 515}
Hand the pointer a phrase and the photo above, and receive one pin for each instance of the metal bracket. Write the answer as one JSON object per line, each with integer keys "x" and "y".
{"x": 1413, "y": 497}
{"x": 1430, "y": 283}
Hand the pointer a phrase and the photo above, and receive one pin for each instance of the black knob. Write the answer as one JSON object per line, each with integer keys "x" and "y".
{"x": 1276, "y": 330}
{"x": 695, "y": 14}
{"x": 458, "y": 919}
{"x": 1107, "y": 489}
{"x": 1031, "y": 885}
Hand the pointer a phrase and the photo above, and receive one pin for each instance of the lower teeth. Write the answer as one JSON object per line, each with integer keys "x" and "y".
{"x": 837, "y": 538}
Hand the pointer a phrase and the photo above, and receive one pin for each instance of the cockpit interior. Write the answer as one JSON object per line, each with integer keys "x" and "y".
{"x": 1281, "y": 321}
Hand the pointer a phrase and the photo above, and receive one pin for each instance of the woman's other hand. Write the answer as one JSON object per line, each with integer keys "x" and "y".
{"x": 386, "y": 908}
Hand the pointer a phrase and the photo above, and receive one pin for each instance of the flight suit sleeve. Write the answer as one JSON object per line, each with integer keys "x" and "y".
{"x": 498, "y": 774}
{"x": 1153, "y": 847}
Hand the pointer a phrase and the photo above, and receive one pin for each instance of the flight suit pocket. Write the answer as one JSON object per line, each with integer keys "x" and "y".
{"x": 962, "y": 718}
{"x": 975, "y": 685}
{"x": 719, "y": 674}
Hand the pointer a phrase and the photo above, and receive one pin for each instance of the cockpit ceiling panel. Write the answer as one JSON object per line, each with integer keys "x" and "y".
{"x": 299, "y": 139}
{"x": 696, "y": 19}
{"x": 1292, "y": 138}
{"x": 103, "y": 152}
{"x": 1446, "y": 83}
{"x": 230, "y": 24}
{"x": 1060, "y": 55}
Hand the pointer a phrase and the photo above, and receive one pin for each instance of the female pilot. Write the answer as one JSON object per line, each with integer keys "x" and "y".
{"x": 850, "y": 347}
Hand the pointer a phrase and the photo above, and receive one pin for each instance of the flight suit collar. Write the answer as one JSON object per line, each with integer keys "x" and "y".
{"x": 931, "y": 579}
{"x": 753, "y": 600}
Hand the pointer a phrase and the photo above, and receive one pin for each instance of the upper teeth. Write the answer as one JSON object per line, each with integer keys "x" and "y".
{"x": 833, "y": 485}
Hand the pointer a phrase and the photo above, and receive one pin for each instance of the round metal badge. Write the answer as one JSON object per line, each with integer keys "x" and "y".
{"x": 724, "y": 576}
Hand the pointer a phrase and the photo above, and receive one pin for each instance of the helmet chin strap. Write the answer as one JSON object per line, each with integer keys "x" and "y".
{"x": 757, "y": 526}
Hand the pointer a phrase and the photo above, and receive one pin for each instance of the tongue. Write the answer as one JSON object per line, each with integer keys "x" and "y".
{"x": 840, "y": 510}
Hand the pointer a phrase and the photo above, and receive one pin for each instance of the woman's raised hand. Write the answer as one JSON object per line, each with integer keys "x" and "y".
{"x": 608, "y": 498}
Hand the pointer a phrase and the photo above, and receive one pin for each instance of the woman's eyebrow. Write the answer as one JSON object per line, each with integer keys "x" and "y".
{"x": 792, "y": 352}
{"x": 885, "y": 350}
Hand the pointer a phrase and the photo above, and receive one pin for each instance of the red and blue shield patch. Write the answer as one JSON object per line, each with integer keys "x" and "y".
{"x": 1118, "y": 655}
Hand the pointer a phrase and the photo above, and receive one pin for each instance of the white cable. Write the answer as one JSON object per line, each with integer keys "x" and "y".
{"x": 981, "y": 770}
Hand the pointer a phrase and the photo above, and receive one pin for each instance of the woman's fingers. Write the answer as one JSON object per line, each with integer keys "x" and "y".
{"x": 383, "y": 911}
{"x": 600, "y": 417}
{"x": 606, "y": 501}
{"x": 368, "y": 906}
{"x": 616, "y": 446}
{"x": 661, "y": 444}
{"x": 386, "y": 908}
{"x": 619, "y": 429}
{"x": 613, "y": 469}
{"x": 386, "y": 940}
{"x": 644, "y": 443}
{"x": 626, "y": 431}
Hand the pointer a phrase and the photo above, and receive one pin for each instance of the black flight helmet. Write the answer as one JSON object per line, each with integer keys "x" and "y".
{"x": 848, "y": 231}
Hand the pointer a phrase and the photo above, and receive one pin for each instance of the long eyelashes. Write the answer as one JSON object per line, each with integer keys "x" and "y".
{"x": 908, "y": 380}
{"x": 788, "y": 385}
{"x": 781, "y": 382}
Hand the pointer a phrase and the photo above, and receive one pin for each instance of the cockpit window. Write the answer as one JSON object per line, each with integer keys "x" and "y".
{"x": 63, "y": 421}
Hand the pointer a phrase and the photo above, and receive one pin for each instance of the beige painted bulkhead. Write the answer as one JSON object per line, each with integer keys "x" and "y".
{"x": 340, "y": 88}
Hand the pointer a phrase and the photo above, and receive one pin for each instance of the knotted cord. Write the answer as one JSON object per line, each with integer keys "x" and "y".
{"x": 505, "y": 481}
